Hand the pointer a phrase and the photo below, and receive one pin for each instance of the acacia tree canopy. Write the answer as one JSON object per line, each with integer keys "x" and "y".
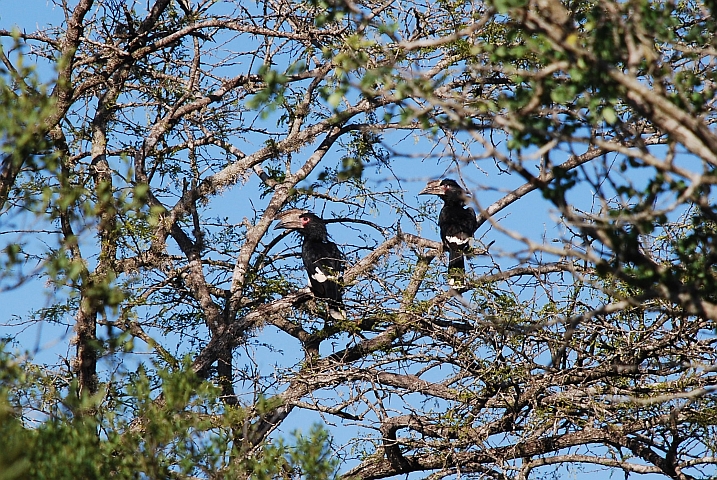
{"x": 141, "y": 183}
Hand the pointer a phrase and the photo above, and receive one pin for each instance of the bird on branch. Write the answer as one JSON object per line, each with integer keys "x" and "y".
{"x": 322, "y": 259}
{"x": 457, "y": 224}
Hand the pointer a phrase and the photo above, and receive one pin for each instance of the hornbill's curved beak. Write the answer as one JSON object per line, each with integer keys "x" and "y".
{"x": 433, "y": 188}
{"x": 290, "y": 219}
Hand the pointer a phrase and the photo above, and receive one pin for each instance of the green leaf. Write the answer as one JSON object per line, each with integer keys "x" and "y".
{"x": 609, "y": 115}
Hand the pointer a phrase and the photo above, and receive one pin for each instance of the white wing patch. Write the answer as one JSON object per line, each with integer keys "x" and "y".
{"x": 319, "y": 276}
{"x": 457, "y": 240}
{"x": 337, "y": 314}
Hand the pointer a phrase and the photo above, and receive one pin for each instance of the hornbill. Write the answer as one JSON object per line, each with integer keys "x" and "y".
{"x": 322, "y": 258}
{"x": 457, "y": 223}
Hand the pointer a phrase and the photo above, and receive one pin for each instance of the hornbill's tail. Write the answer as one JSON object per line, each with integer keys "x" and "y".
{"x": 456, "y": 267}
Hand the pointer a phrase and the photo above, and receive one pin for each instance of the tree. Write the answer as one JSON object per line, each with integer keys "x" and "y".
{"x": 178, "y": 132}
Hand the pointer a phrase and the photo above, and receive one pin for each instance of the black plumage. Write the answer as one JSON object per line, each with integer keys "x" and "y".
{"x": 457, "y": 223}
{"x": 322, "y": 259}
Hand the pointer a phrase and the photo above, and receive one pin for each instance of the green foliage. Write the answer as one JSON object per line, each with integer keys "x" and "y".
{"x": 351, "y": 167}
{"x": 598, "y": 46}
{"x": 271, "y": 95}
{"x": 26, "y": 106}
{"x": 13, "y": 456}
{"x": 503, "y": 6}
{"x": 328, "y": 11}
{"x": 187, "y": 432}
{"x": 24, "y": 144}
{"x": 310, "y": 458}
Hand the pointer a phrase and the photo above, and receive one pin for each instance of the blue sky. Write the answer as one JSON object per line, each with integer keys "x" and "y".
{"x": 531, "y": 218}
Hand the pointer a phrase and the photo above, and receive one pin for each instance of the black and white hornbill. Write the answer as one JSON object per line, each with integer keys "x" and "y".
{"x": 323, "y": 260}
{"x": 457, "y": 223}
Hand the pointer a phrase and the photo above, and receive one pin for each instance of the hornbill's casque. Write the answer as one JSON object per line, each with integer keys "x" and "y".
{"x": 457, "y": 223}
{"x": 323, "y": 260}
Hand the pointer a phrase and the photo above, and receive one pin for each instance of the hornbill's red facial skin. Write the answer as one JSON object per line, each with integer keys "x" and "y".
{"x": 322, "y": 259}
{"x": 456, "y": 222}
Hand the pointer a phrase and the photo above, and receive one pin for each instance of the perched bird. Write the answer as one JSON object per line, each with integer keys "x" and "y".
{"x": 322, "y": 258}
{"x": 457, "y": 223}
